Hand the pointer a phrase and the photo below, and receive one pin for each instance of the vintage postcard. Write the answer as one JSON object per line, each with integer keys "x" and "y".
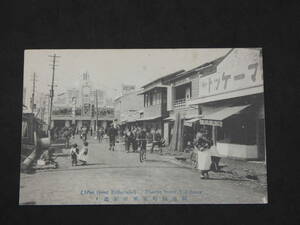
{"x": 143, "y": 126}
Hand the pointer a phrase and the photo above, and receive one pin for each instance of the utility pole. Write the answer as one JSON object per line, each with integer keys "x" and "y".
{"x": 96, "y": 110}
{"x": 33, "y": 93}
{"x": 53, "y": 65}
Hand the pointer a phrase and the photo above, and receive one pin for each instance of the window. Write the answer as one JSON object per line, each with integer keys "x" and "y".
{"x": 238, "y": 130}
{"x": 155, "y": 98}
{"x": 158, "y": 98}
{"x": 147, "y": 100}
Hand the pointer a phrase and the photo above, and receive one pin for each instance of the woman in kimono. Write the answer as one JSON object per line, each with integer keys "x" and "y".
{"x": 83, "y": 154}
{"x": 202, "y": 147}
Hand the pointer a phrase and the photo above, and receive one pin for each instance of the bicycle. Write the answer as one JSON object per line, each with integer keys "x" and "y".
{"x": 142, "y": 151}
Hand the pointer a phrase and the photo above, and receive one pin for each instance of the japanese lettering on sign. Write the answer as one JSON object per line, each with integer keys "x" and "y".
{"x": 236, "y": 73}
{"x": 211, "y": 122}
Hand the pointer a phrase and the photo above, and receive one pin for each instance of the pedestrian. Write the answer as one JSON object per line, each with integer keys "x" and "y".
{"x": 202, "y": 146}
{"x": 67, "y": 135}
{"x": 101, "y": 134}
{"x": 129, "y": 137}
{"x": 47, "y": 156}
{"x": 84, "y": 133}
{"x": 157, "y": 141}
{"x": 91, "y": 131}
{"x": 126, "y": 139}
{"x": 112, "y": 133}
{"x": 142, "y": 139}
{"x": 74, "y": 154}
{"x": 83, "y": 154}
{"x": 73, "y": 132}
{"x": 134, "y": 139}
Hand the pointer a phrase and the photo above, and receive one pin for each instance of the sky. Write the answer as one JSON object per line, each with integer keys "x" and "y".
{"x": 110, "y": 68}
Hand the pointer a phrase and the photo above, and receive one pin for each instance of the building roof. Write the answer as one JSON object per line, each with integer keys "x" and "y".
{"x": 129, "y": 93}
{"x": 164, "y": 77}
{"x": 151, "y": 88}
{"x": 214, "y": 62}
{"x": 182, "y": 73}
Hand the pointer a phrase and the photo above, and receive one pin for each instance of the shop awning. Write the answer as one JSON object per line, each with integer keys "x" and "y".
{"x": 216, "y": 118}
{"x": 148, "y": 118}
{"x": 187, "y": 117}
{"x": 191, "y": 121}
{"x": 170, "y": 118}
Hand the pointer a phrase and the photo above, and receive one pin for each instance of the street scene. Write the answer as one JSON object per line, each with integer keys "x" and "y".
{"x": 169, "y": 126}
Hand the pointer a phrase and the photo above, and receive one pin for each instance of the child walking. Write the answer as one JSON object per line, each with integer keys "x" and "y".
{"x": 74, "y": 152}
{"x": 83, "y": 154}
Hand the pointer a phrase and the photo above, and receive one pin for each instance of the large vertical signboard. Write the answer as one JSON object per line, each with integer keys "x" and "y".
{"x": 241, "y": 69}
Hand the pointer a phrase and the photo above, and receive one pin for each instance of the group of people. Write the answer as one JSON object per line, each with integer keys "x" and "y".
{"x": 139, "y": 137}
{"x": 135, "y": 137}
{"x": 63, "y": 133}
{"x": 79, "y": 155}
{"x": 100, "y": 134}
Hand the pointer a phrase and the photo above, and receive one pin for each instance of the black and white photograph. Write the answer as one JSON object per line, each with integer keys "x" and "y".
{"x": 143, "y": 126}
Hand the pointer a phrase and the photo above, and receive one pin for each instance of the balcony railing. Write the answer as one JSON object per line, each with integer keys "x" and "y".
{"x": 180, "y": 103}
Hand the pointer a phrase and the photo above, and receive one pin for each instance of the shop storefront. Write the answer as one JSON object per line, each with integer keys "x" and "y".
{"x": 231, "y": 102}
{"x": 236, "y": 128}
{"x": 150, "y": 123}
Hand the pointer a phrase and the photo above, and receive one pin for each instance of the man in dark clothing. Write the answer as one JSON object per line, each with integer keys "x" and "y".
{"x": 128, "y": 139}
{"x": 156, "y": 141}
{"x": 142, "y": 139}
{"x": 112, "y": 133}
{"x": 134, "y": 139}
{"x": 67, "y": 135}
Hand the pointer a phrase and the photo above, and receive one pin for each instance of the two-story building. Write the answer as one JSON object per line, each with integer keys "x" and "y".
{"x": 156, "y": 102}
{"x": 182, "y": 89}
{"x": 231, "y": 104}
{"x": 128, "y": 107}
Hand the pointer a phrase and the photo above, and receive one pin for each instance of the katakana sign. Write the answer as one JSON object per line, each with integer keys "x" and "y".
{"x": 240, "y": 70}
{"x": 211, "y": 122}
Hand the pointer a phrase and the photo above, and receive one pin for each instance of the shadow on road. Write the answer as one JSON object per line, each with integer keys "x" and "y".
{"x": 86, "y": 167}
{"x": 227, "y": 178}
{"x": 156, "y": 160}
{"x": 93, "y": 164}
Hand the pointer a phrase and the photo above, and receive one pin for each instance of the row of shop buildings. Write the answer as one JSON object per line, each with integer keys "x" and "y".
{"x": 224, "y": 97}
